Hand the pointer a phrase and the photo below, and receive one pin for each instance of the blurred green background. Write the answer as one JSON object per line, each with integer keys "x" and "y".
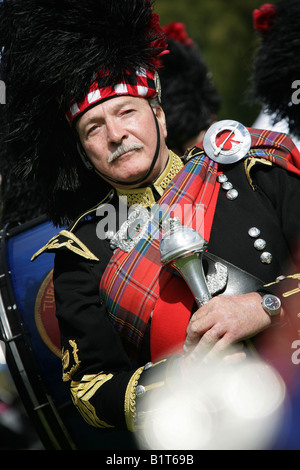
{"x": 223, "y": 30}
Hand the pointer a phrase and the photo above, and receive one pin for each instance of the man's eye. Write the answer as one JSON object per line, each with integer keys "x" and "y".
{"x": 92, "y": 129}
{"x": 128, "y": 111}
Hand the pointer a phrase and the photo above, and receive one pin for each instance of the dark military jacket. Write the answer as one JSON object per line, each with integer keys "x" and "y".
{"x": 102, "y": 377}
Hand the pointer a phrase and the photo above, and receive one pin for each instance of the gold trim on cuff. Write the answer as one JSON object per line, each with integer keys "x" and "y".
{"x": 129, "y": 405}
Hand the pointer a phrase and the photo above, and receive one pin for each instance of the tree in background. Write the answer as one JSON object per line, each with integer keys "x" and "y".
{"x": 225, "y": 35}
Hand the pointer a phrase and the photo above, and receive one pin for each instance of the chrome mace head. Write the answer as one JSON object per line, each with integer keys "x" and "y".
{"x": 179, "y": 241}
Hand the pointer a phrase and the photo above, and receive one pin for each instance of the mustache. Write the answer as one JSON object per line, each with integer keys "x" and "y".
{"x": 123, "y": 148}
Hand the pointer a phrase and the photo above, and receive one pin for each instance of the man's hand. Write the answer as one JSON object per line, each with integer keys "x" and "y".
{"x": 222, "y": 322}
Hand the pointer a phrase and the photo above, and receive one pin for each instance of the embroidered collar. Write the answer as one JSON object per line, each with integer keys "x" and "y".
{"x": 144, "y": 196}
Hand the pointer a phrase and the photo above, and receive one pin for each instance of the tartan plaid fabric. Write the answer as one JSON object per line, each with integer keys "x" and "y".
{"x": 133, "y": 282}
{"x": 140, "y": 84}
{"x": 275, "y": 147}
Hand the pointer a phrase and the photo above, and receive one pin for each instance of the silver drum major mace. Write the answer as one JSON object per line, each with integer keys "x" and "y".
{"x": 183, "y": 247}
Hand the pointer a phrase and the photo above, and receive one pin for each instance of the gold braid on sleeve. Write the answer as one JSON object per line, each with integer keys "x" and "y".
{"x": 83, "y": 391}
{"x": 130, "y": 404}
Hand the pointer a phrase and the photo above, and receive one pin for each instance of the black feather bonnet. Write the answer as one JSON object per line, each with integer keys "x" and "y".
{"x": 52, "y": 51}
{"x": 276, "y": 66}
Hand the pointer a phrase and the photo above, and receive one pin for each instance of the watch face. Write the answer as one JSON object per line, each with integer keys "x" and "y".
{"x": 271, "y": 302}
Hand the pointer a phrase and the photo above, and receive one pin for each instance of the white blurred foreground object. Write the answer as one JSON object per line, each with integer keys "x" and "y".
{"x": 235, "y": 407}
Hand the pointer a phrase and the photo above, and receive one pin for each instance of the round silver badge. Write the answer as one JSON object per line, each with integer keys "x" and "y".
{"x": 157, "y": 86}
{"x": 260, "y": 244}
{"x": 266, "y": 257}
{"x": 222, "y": 178}
{"x": 232, "y": 194}
{"x": 254, "y": 232}
{"x": 227, "y": 141}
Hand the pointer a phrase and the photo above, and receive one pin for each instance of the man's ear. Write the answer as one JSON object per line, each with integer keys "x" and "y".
{"x": 160, "y": 115}
{"x": 87, "y": 163}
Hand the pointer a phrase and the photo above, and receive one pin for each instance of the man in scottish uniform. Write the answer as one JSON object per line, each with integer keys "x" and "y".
{"x": 85, "y": 120}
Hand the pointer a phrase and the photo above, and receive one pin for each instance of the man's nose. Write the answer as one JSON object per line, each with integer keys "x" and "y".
{"x": 115, "y": 131}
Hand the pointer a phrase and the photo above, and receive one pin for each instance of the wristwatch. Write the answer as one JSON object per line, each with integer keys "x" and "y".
{"x": 271, "y": 304}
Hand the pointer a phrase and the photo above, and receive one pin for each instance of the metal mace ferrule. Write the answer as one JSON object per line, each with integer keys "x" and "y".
{"x": 183, "y": 247}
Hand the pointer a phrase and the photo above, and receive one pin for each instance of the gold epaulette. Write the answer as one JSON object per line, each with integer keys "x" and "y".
{"x": 249, "y": 163}
{"x": 66, "y": 240}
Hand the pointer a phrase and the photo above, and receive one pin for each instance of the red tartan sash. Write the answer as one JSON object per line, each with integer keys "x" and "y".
{"x": 136, "y": 286}
{"x": 133, "y": 282}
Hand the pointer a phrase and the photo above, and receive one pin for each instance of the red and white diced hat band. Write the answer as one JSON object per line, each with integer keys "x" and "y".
{"x": 143, "y": 83}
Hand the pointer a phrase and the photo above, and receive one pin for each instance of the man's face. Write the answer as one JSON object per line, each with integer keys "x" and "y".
{"x": 119, "y": 137}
